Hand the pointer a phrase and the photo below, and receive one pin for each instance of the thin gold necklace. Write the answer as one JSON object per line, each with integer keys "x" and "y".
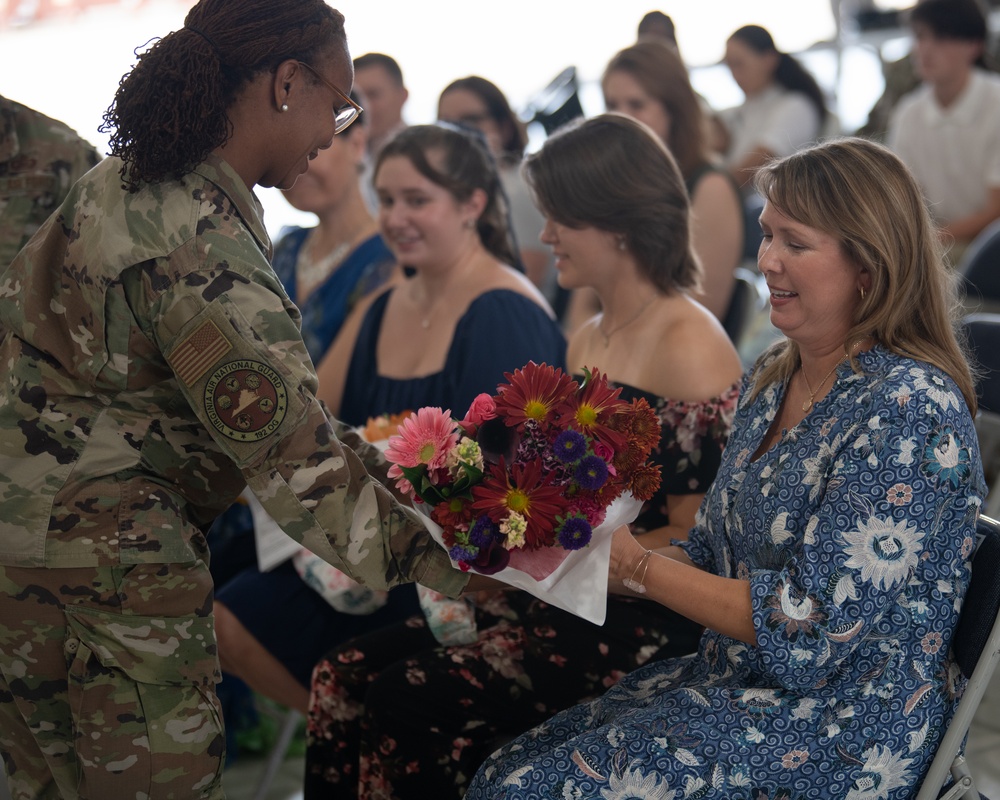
{"x": 812, "y": 392}
{"x": 607, "y": 336}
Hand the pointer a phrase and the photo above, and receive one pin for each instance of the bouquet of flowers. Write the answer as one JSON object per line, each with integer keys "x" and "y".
{"x": 530, "y": 476}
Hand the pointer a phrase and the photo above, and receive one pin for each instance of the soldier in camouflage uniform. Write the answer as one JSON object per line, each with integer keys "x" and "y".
{"x": 40, "y": 158}
{"x": 153, "y": 366}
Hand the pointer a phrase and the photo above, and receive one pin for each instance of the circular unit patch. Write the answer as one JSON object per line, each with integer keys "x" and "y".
{"x": 246, "y": 400}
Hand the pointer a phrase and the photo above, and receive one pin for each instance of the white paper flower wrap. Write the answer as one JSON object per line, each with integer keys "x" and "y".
{"x": 579, "y": 584}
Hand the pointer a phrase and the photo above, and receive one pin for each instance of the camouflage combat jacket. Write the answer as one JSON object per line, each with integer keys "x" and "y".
{"x": 40, "y": 158}
{"x": 153, "y": 366}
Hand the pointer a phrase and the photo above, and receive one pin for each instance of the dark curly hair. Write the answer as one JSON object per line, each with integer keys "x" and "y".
{"x": 170, "y": 111}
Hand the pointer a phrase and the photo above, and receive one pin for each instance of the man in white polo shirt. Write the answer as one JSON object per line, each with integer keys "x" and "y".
{"x": 948, "y": 130}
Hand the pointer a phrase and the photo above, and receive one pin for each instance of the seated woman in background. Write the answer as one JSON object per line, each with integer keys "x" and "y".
{"x": 272, "y": 626}
{"x": 479, "y": 104}
{"x": 831, "y": 552}
{"x": 784, "y": 109}
{"x": 396, "y": 715}
{"x": 648, "y": 81}
{"x": 464, "y": 316}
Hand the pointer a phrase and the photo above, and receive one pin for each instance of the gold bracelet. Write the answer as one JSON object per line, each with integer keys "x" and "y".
{"x": 638, "y": 586}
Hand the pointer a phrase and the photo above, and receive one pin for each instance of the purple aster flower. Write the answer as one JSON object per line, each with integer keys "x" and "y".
{"x": 570, "y": 446}
{"x": 463, "y": 554}
{"x": 483, "y": 531}
{"x": 591, "y": 473}
{"x": 575, "y": 533}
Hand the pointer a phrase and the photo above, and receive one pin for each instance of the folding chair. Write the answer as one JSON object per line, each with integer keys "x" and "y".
{"x": 983, "y": 332}
{"x": 289, "y": 721}
{"x": 747, "y": 301}
{"x": 977, "y": 650}
{"x": 980, "y": 269}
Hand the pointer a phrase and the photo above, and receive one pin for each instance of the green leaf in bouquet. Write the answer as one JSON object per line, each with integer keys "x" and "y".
{"x": 472, "y": 475}
{"x": 432, "y": 494}
{"x": 420, "y": 481}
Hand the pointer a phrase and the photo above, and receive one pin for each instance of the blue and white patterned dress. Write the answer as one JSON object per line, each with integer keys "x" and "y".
{"x": 855, "y": 532}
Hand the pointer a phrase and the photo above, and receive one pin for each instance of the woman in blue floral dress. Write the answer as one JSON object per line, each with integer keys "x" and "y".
{"x": 831, "y": 556}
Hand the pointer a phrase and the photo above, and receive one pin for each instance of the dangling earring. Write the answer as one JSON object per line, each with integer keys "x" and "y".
{"x": 284, "y": 107}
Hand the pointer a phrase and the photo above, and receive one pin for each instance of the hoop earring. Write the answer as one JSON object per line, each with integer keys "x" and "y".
{"x": 862, "y": 290}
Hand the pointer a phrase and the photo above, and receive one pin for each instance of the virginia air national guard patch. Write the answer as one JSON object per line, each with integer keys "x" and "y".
{"x": 245, "y": 400}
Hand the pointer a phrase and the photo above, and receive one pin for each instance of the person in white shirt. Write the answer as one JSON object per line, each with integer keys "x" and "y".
{"x": 948, "y": 131}
{"x": 784, "y": 109}
{"x": 379, "y": 79}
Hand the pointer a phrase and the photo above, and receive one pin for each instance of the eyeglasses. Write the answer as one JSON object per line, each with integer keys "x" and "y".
{"x": 344, "y": 116}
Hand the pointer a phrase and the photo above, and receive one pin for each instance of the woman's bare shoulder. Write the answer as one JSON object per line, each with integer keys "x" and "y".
{"x": 691, "y": 357}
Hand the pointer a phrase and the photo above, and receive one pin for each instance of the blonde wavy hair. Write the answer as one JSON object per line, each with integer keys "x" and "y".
{"x": 861, "y": 193}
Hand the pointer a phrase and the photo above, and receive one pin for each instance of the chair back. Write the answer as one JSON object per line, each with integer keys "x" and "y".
{"x": 976, "y": 645}
{"x": 980, "y": 265}
{"x": 744, "y": 304}
{"x": 982, "y": 599}
{"x": 753, "y": 205}
{"x": 556, "y": 104}
{"x": 983, "y": 332}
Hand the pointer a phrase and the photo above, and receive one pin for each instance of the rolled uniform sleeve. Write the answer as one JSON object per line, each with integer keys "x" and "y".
{"x": 231, "y": 337}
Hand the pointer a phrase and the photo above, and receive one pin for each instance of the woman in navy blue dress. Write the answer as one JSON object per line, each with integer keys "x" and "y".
{"x": 464, "y": 316}
{"x": 831, "y": 554}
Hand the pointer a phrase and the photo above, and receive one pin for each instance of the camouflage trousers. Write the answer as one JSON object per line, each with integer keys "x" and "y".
{"x": 107, "y": 683}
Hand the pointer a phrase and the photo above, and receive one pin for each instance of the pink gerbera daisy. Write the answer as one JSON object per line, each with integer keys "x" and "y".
{"x": 423, "y": 439}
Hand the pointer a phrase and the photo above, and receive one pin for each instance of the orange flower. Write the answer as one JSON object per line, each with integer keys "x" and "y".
{"x": 629, "y": 458}
{"x": 639, "y": 423}
{"x": 644, "y": 482}
{"x": 384, "y": 426}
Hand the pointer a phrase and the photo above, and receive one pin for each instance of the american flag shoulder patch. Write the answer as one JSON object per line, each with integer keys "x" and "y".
{"x": 204, "y": 347}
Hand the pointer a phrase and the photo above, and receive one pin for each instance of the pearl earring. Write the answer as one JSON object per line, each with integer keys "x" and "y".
{"x": 284, "y": 106}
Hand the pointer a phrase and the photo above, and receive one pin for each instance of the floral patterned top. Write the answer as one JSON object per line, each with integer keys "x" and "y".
{"x": 692, "y": 438}
{"x": 855, "y": 532}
